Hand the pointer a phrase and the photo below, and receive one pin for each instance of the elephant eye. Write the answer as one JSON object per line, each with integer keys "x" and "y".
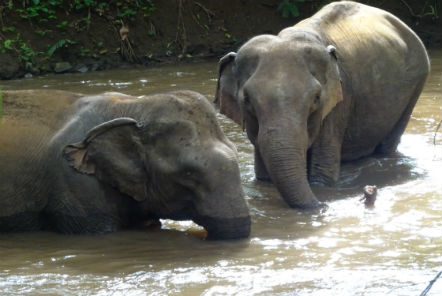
{"x": 246, "y": 99}
{"x": 317, "y": 99}
{"x": 191, "y": 173}
{"x": 189, "y": 179}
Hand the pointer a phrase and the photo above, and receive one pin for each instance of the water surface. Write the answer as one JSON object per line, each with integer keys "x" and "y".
{"x": 344, "y": 249}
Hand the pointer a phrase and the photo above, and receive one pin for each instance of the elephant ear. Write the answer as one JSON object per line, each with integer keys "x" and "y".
{"x": 112, "y": 151}
{"x": 226, "y": 98}
{"x": 333, "y": 88}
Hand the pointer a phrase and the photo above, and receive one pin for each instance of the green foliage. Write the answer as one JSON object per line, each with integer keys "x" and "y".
{"x": 38, "y": 10}
{"x": 42, "y": 33}
{"x": 56, "y": 46}
{"x": 43, "y": 17}
{"x": 62, "y": 25}
{"x": 42, "y": 11}
{"x": 8, "y": 44}
{"x": 428, "y": 8}
{"x": 26, "y": 55}
{"x": 147, "y": 7}
{"x": 126, "y": 12}
{"x": 8, "y": 29}
{"x": 81, "y": 4}
{"x": 17, "y": 45}
{"x": 289, "y": 8}
{"x": 84, "y": 52}
{"x": 82, "y": 24}
{"x": 60, "y": 43}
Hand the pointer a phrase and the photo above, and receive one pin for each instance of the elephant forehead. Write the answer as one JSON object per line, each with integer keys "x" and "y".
{"x": 281, "y": 57}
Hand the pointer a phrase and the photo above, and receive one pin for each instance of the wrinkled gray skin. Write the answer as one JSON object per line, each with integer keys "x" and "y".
{"x": 92, "y": 164}
{"x": 336, "y": 87}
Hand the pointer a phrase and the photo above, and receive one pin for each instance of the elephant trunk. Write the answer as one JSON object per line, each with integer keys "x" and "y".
{"x": 225, "y": 228}
{"x": 286, "y": 161}
{"x": 223, "y": 211}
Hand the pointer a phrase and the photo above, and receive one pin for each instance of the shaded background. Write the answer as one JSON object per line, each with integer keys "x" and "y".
{"x": 41, "y": 36}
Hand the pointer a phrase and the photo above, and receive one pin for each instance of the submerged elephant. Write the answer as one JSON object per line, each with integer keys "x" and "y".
{"x": 336, "y": 87}
{"x": 92, "y": 164}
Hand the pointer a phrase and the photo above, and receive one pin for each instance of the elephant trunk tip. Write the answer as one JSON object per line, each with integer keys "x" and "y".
{"x": 315, "y": 204}
{"x": 305, "y": 203}
{"x": 226, "y": 228}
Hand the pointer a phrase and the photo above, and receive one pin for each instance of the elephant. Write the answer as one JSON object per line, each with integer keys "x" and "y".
{"x": 335, "y": 87}
{"x": 74, "y": 163}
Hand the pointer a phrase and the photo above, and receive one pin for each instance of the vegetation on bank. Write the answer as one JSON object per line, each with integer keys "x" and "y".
{"x": 47, "y": 35}
{"x": 53, "y": 17}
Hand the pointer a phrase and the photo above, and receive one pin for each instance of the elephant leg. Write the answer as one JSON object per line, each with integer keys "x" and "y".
{"x": 324, "y": 161}
{"x": 260, "y": 169}
{"x": 390, "y": 143}
{"x": 325, "y": 164}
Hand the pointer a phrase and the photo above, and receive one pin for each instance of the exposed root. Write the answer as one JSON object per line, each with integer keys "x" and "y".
{"x": 181, "y": 35}
{"x": 208, "y": 13}
{"x": 126, "y": 49}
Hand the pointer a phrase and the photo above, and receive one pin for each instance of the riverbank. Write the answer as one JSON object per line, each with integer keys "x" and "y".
{"x": 43, "y": 36}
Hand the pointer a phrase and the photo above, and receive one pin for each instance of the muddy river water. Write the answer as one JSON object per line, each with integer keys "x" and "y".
{"x": 343, "y": 249}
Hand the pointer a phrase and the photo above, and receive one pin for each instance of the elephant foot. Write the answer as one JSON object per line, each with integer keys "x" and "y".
{"x": 264, "y": 179}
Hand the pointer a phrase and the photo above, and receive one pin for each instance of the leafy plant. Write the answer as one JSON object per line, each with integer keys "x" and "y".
{"x": 80, "y": 4}
{"x": 8, "y": 29}
{"x": 42, "y": 32}
{"x": 25, "y": 53}
{"x": 84, "y": 52}
{"x": 289, "y": 8}
{"x": 62, "y": 25}
{"x": 40, "y": 10}
{"x": 8, "y": 44}
{"x": 148, "y": 8}
{"x": 126, "y": 12}
{"x": 60, "y": 43}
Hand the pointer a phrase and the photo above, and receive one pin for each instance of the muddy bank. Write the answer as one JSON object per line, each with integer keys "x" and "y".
{"x": 59, "y": 36}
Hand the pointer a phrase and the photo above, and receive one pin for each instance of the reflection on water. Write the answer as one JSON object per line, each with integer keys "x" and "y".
{"x": 344, "y": 249}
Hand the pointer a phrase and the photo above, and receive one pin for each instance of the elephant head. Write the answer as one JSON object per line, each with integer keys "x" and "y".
{"x": 174, "y": 167}
{"x": 281, "y": 89}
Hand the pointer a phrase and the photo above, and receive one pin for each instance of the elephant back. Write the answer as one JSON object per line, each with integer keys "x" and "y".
{"x": 368, "y": 35}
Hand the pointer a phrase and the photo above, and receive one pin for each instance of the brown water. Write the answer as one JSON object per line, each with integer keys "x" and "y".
{"x": 345, "y": 249}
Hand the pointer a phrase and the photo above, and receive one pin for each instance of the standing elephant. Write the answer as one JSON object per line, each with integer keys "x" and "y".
{"x": 336, "y": 87}
{"x": 92, "y": 164}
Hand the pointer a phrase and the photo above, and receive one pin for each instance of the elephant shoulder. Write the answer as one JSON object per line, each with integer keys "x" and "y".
{"x": 193, "y": 101}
